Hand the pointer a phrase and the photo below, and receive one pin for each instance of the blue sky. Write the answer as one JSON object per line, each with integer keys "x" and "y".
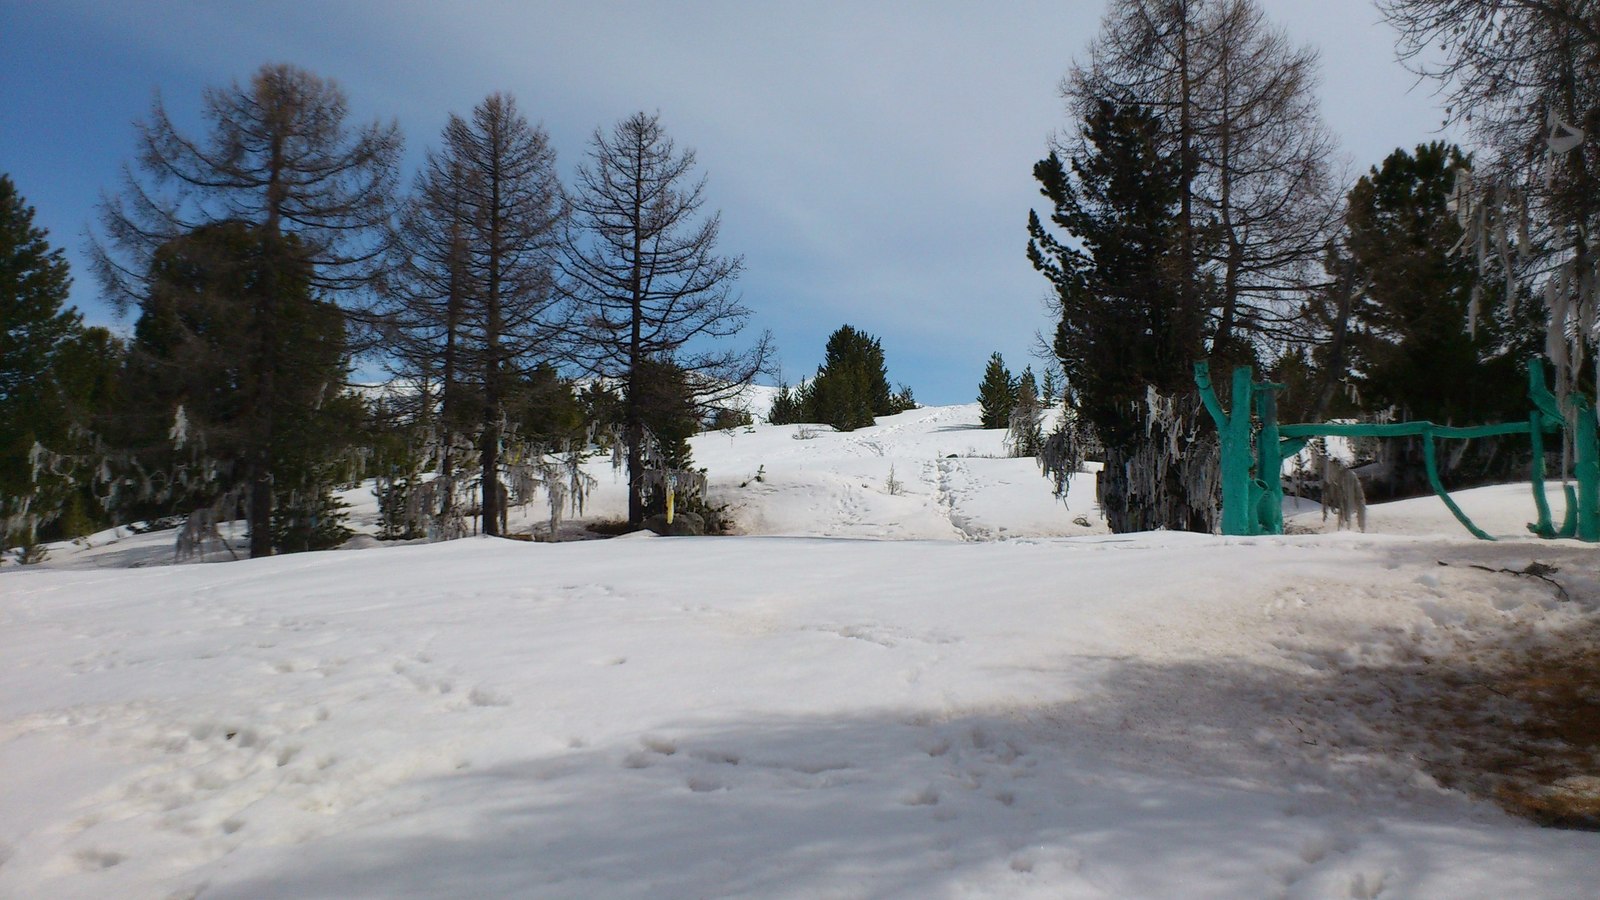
{"x": 871, "y": 160}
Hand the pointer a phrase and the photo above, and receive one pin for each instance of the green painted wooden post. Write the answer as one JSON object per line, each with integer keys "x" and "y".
{"x": 1234, "y": 435}
{"x": 1254, "y": 505}
{"x": 1543, "y": 527}
{"x": 1587, "y": 468}
{"x": 1269, "y": 461}
{"x": 1546, "y": 416}
{"x": 1430, "y": 461}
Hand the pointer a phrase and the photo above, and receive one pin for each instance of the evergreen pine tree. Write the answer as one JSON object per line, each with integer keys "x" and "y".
{"x": 36, "y": 338}
{"x": 202, "y": 348}
{"x": 1125, "y": 327}
{"x": 852, "y": 384}
{"x": 1411, "y": 348}
{"x": 786, "y": 407}
{"x": 996, "y": 394}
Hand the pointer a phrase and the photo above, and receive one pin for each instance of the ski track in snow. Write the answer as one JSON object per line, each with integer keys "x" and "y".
{"x": 1131, "y": 716}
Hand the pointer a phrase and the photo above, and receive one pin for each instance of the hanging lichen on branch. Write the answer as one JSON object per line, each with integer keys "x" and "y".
{"x": 1498, "y": 227}
{"x": 1166, "y": 478}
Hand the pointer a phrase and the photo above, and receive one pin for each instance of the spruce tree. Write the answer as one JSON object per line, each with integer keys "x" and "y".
{"x": 203, "y": 347}
{"x": 851, "y": 386}
{"x": 786, "y": 407}
{"x": 1122, "y": 326}
{"x": 996, "y": 394}
{"x": 36, "y": 334}
{"x": 1125, "y": 328}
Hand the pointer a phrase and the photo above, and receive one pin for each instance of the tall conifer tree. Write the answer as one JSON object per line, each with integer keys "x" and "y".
{"x": 641, "y": 262}
{"x": 36, "y": 330}
{"x": 1124, "y": 328}
{"x": 996, "y": 394}
{"x": 280, "y": 159}
{"x": 473, "y": 298}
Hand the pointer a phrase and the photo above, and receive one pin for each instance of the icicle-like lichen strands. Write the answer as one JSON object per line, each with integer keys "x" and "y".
{"x": 36, "y": 460}
{"x": 179, "y": 435}
{"x": 1591, "y": 303}
{"x": 1343, "y": 494}
{"x": 556, "y": 495}
{"x": 1062, "y": 454}
{"x": 579, "y": 482}
{"x": 1524, "y": 238}
{"x": 1503, "y": 237}
{"x": 1556, "y": 336}
{"x": 1550, "y": 287}
{"x": 1581, "y": 324}
{"x": 1483, "y": 234}
{"x": 1461, "y": 199}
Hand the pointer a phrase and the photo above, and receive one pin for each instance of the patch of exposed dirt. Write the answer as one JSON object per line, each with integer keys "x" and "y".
{"x": 1521, "y": 726}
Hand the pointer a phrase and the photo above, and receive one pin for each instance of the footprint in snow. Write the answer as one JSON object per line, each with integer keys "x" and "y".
{"x": 94, "y": 860}
{"x": 653, "y": 749}
{"x": 659, "y": 745}
{"x": 487, "y": 696}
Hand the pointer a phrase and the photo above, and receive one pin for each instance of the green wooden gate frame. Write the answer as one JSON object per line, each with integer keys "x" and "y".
{"x": 1252, "y": 492}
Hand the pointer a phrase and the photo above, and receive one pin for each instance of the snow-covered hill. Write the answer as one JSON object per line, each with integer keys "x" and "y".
{"x": 987, "y": 698}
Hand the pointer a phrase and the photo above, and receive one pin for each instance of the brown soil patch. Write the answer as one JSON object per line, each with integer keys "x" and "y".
{"x": 1525, "y": 725}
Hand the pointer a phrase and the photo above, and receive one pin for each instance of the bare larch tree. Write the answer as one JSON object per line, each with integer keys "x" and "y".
{"x": 473, "y": 298}
{"x": 640, "y": 260}
{"x": 1239, "y": 107}
{"x": 1523, "y": 78}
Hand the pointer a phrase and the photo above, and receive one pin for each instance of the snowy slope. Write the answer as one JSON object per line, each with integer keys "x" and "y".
{"x": 804, "y": 715}
{"x": 955, "y": 481}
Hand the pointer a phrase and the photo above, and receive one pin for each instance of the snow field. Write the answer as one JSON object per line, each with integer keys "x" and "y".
{"x": 813, "y": 715}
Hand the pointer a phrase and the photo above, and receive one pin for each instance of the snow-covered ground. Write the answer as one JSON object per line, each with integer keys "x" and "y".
{"x": 949, "y": 689}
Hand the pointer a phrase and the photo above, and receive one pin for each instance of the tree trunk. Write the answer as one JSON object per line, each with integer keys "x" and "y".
{"x": 492, "y": 500}
{"x": 260, "y": 511}
{"x": 1191, "y": 316}
{"x": 634, "y": 414}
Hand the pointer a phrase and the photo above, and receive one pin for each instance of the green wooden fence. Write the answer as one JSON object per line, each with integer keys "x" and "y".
{"x": 1252, "y": 458}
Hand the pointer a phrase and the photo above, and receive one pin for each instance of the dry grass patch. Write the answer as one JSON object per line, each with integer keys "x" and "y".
{"x": 1523, "y": 728}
